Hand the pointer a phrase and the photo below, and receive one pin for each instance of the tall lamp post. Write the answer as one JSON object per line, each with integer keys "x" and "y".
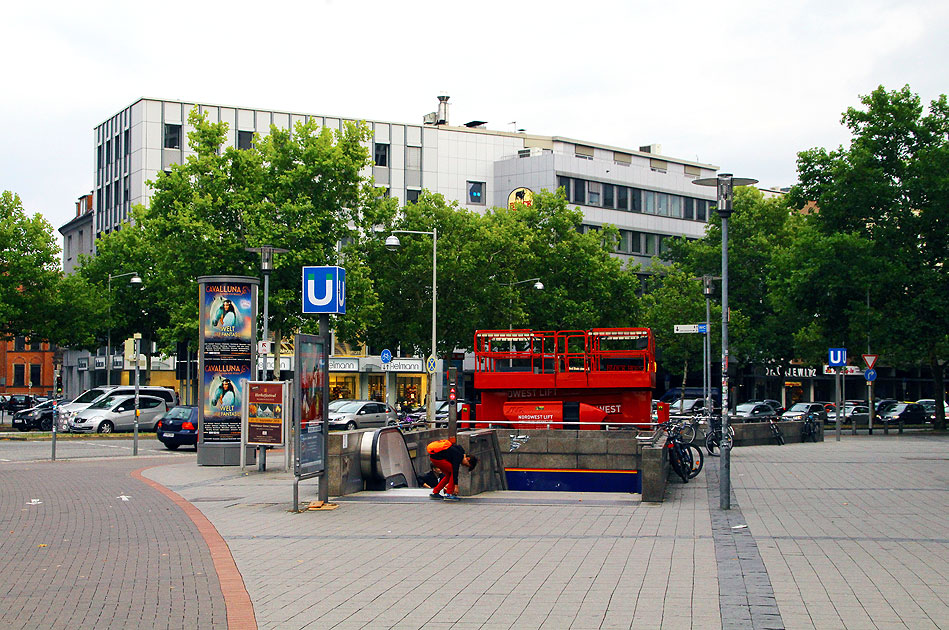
{"x": 392, "y": 244}
{"x": 134, "y": 280}
{"x": 725, "y": 183}
{"x": 266, "y": 267}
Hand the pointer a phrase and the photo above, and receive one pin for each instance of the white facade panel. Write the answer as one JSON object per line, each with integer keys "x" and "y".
{"x": 245, "y": 120}
{"x": 137, "y": 112}
{"x": 282, "y": 121}
{"x": 381, "y": 133}
{"x": 153, "y": 111}
{"x": 172, "y": 113}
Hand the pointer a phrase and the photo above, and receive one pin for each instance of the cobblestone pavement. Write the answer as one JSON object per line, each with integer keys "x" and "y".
{"x": 853, "y": 534}
{"x": 75, "y": 554}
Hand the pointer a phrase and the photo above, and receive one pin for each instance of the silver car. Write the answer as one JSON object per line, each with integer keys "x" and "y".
{"x": 117, "y": 413}
{"x": 359, "y": 414}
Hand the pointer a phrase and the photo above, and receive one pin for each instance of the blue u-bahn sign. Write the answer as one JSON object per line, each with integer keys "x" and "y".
{"x": 324, "y": 290}
{"x": 837, "y": 357}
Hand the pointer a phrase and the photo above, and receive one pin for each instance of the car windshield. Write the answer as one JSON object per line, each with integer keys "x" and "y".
{"x": 800, "y": 407}
{"x": 745, "y": 408}
{"x": 105, "y": 403}
{"x": 179, "y": 413}
{"x": 336, "y": 404}
{"x": 89, "y": 396}
{"x": 349, "y": 406}
{"x": 898, "y": 408}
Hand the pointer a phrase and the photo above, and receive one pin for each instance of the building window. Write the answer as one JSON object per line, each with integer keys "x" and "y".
{"x": 622, "y": 198}
{"x": 19, "y": 372}
{"x": 411, "y": 196}
{"x": 19, "y": 344}
{"x": 579, "y": 191}
{"x": 108, "y": 152}
{"x": 593, "y": 193}
{"x": 476, "y": 193}
{"x": 99, "y": 156}
{"x": 607, "y": 195}
{"x": 381, "y": 154}
{"x": 583, "y": 152}
{"x": 128, "y": 144}
{"x": 635, "y": 242}
{"x": 36, "y": 372}
{"x": 564, "y": 182}
{"x": 413, "y": 158}
{"x": 245, "y": 140}
{"x": 700, "y": 207}
{"x": 172, "y": 136}
{"x": 652, "y": 244}
{"x": 688, "y": 208}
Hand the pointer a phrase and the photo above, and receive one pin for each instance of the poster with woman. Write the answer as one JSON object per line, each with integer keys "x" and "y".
{"x": 223, "y": 382}
{"x": 228, "y": 318}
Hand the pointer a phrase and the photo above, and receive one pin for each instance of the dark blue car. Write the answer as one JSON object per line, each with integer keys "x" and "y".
{"x": 179, "y": 427}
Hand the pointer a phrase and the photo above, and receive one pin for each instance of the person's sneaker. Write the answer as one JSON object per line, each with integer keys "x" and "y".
{"x": 452, "y": 497}
{"x": 435, "y": 495}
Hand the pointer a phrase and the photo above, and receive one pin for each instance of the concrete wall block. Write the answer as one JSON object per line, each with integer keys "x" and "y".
{"x": 622, "y": 443}
{"x": 654, "y": 473}
{"x": 562, "y": 444}
{"x": 547, "y": 460}
{"x": 595, "y": 443}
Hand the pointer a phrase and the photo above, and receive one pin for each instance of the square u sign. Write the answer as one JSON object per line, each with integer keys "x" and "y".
{"x": 837, "y": 357}
{"x": 324, "y": 290}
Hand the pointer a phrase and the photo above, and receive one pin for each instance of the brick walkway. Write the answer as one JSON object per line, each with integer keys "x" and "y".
{"x": 839, "y": 535}
{"x": 74, "y": 554}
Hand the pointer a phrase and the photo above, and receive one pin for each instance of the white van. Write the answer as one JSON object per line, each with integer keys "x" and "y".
{"x": 81, "y": 402}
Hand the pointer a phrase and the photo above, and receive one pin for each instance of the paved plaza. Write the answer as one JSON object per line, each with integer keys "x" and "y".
{"x": 829, "y": 535}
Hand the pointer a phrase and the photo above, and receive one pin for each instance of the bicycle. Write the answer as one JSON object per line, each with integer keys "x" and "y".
{"x": 685, "y": 458}
{"x": 809, "y": 428}
{"x": 714, "y": 440}
{"x": 776, "y": 432}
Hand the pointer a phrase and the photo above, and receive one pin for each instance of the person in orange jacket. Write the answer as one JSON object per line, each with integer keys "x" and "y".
{"x": 447, "y": 457}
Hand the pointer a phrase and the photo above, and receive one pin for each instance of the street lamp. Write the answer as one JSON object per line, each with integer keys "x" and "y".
{"x": 392, "y": 244}
{"x": 725, "y": 183}
{"x": 136, "y": 281}
{"x": 266, "y": 267}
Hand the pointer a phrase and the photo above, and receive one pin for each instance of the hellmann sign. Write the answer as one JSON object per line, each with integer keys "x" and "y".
{"x": 403, "y": 365}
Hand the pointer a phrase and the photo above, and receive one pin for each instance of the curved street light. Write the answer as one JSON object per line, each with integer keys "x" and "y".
{"x": 135, "y": 280}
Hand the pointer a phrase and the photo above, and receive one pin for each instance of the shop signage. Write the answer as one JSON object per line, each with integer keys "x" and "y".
{"x": 403, "y": 365}
{"x": 99, "y": 363}
{"x": 118, "y": 362}
{"x": 520, "y": 195}
{"x": 846, "y": 370}
{"x": 791, "y": 371}
{"x": 344, "y": 365}
{"x": 82, "y": 364}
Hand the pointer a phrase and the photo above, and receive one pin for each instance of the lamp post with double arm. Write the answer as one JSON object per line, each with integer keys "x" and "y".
{"x": 135, "y": 280}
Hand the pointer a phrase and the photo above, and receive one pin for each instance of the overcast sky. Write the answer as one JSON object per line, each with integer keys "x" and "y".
{"x": 742, "y": 85}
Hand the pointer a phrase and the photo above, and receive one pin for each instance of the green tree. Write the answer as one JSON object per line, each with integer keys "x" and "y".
{"x": 35, "y": 300}
{"x": 889, "y": 192}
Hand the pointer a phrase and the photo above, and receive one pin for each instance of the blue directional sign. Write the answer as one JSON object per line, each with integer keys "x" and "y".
{"x": 386, "y": 355}
{"x": 837, "y": 357}
{"x": 870, "y": 375}
{"x": 324, "y": 290}
{"x": 703, "y": 328}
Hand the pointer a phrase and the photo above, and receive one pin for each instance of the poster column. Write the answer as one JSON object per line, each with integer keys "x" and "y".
{"x": 226, "y": 355}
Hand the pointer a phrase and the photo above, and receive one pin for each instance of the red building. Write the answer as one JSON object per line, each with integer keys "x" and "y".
{"x": 26, "y": 367}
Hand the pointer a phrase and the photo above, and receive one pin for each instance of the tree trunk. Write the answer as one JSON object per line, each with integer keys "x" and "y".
{"x": 939, "y": 421}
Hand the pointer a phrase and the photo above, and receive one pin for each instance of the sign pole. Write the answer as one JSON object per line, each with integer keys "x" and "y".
{"x": 837, "y": 383}
{"x": 138, "y": 349}
{"x": 324, "y": 488}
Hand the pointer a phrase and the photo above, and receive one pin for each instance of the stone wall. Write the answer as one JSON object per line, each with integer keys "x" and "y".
{"x": 755, "y": 433}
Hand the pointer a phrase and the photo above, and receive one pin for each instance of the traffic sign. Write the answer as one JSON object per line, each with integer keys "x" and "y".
{"x": 870, "y": 375}
{"x": 324, "y": 290}
{"x": 386, "y": 356}
{"x": 430, "y": 365}
{"x": 837, "y": 357}
{"x": 452, "y": 394}
{"x": 703, "y": 328}
{"x": 686, "y": 328}
{"x": 870, "y": 360}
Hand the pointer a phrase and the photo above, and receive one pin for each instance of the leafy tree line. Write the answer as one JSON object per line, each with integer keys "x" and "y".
{"x": 874, "y": 225}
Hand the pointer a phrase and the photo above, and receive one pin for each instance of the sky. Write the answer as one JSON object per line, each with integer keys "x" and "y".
{"x": 738, "y": 84}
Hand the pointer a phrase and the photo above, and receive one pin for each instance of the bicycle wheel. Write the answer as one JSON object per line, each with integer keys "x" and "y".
{"x": 712, "y": 442}
{"x": 778, "y": 436}
{"x": 687, "y": 433}
{"x": 678, "y": 463}
{"x": 697, "y": 460}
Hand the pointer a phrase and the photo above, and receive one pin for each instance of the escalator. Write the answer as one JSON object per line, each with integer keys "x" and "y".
{"x": 385, "y": 460}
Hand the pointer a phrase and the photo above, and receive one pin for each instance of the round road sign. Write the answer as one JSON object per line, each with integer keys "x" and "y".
{"x": 430, "y": 365}
{"x": 386, "y": 356}
{"x": 870, "y": 375}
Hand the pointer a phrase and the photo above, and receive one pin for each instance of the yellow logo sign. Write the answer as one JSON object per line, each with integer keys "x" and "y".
{"x": 520, "y": 195}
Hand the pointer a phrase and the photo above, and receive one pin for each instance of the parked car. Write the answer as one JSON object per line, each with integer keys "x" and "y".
{"x": 38, "y": 417}
{"x": 929, "y": 405}
{"x": 19, "y": 402}
{"x": 798, "y": 411}
{"x": 178, "y": 427}
{"x": 359, "y": 414}
{"x": 905, "y": 413}
{"x": 675, "y": 393}
{"x": 856, "y": 413}
{"x": 117, "y": 413}
{"x": 776, "y": 405}
{"x": 885, "y": 404}
{"x": 441, "y": 413}
{"x": 687, "y": 406}
{"x": 84, "y": 400}
{"x": 754, "y": 412}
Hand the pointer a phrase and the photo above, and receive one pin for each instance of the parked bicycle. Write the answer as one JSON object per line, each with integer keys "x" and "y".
{"x": 776, "y": 432}
{"x": 714, "y": 439}
{"x": 809, "y": 428}
{"x": 685, "y": 458}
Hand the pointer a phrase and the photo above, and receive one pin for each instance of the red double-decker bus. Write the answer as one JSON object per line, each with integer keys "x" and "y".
{"x": 565, "y": 379}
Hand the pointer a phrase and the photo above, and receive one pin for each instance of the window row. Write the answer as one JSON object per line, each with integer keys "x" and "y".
{"x": 114, "y": 149}
{"x": 638, "y": 243}
{"x": 413, "y": 156}
{"x": 19, "y": 375}
{"x": 628, "y": 199}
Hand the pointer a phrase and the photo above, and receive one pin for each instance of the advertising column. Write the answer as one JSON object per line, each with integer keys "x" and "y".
{"x": 228, "y": 329}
